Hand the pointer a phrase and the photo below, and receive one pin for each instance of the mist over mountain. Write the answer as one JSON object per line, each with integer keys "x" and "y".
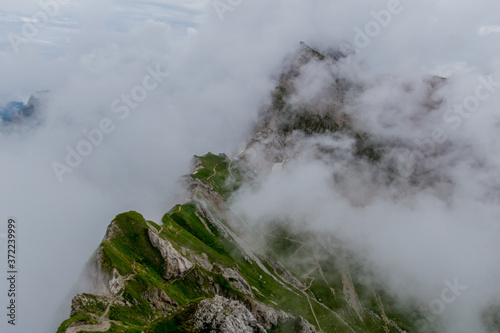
{"x": 381, "y": 129}
{"x": 401, "y": 199}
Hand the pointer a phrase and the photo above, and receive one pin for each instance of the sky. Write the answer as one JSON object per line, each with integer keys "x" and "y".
{"x": 151, "y": 83}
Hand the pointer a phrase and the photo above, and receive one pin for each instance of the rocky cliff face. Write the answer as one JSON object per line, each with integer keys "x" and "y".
{"x": 203, "y": 269}
{"x": 176, "y": 266}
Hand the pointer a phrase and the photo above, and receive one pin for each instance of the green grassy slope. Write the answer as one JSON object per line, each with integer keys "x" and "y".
{"x": 127, "y": 255}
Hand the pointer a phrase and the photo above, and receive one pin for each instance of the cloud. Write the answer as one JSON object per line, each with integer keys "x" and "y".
{"x": 489, "y": 29}
{"x": 220, "y": 73}
{"x": 438, "y": 225}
